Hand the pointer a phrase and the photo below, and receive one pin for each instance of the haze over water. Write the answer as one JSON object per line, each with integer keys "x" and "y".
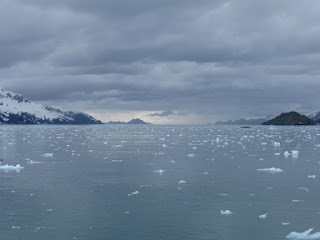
{"x": 158, "y": 182}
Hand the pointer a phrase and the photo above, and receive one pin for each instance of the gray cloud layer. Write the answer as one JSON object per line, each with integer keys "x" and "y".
{"x": 215, "y": 59}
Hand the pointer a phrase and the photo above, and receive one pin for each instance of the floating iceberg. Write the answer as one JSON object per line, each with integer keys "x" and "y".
{"x": 225, "y": 212}
{"x": 271, "y": 170}
{"x": 304, "y": 235}
{"x": 191, "y": 155}
{"x": 11, "y": 167}
{"x": 311, "y": 176}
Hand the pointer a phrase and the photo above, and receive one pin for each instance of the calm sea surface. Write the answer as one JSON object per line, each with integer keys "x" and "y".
{"x": 158, "y": 182}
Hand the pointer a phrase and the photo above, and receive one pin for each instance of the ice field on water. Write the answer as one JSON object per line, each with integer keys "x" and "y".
{"x": 159, "y": 182}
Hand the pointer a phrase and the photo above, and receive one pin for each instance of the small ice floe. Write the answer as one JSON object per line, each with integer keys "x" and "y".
{"x": 286, "y": 154}
{"x": 191, "y": 155}
{"x": 164, "y": 145}
{"x": 264, "y": 143}
{"x": 15, "y": 227}
{"x": 276, "y": 144}
{"x": 297, "y": 201}
{"x": 160, "y": 171}
{"x": 263, "y": 216}
{"x": 295, "y": 153}
{"x": 49, "y": 210}
{"x": 7, "y": 167}
{"x": 133, "y": 193}
{"x": 223, "y": 194}
{"x": 117, "y": 146}
{"x": 304, "y": 188}
{"x": 270, "y": 170}
{"x": 311, "y": 176}
{"x": 225, "y": 212}
{"x": 194, "y": 148}
{"x": 34, "y": 162}
{"x": 304, "y": 235}
{"x": 285, "y": 223}
{"x": 205, "y": 173}
{"x": 277, "y": 154}
{"x": 172, "y": 161}
{"x": 182, "y": 182}
{"x": 48, "y": 155}
{"x": 116, "y": 160}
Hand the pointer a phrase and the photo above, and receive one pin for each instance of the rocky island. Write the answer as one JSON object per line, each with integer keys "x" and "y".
{"x": 290, "y": 118}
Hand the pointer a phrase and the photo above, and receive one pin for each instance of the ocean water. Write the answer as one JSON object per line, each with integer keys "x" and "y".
{"x": 159, "y": 182}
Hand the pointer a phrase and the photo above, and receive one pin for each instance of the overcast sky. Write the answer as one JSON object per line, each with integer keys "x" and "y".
{"x": 166, "y": 61}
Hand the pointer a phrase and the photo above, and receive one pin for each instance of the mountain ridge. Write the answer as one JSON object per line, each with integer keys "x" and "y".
{"x": 16, "y": 109}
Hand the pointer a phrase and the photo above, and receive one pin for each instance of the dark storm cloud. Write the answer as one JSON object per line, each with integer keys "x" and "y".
{"x": 224, "y": 58}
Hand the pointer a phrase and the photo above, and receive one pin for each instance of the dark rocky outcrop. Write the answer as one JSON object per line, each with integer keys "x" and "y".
{"x": 290, "y": 118}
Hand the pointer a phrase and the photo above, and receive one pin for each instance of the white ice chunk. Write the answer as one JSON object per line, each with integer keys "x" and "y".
{"x": 133, "y": 193}
{"x": 191, "y": 155}
{"x": 271, "y": 170}
{"x": 225, "y": 212}
{"x": 116, "y": 160}
{"x": 311, "y": 176}
{"x": 286, "y": 154}
{"x": 48, "y": 155}
{"x": 11, "y": 167}
{"x": 160, "y": 171}
{"x": 295, "y": 153}
{"x": 33, "y": 162}
{"x": 263, "y": 216}
{"x": 285, "y": 223}
{"x": 304, "y": 235}
{"x": 182, "y": 182}
{"x": 276, "y": 144}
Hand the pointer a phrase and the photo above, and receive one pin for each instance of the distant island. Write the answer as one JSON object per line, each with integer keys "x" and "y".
{"x": 290, "y": 118}
{"x": 133, "y": 121}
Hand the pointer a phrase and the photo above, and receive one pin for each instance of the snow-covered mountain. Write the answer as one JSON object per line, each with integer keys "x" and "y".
{"x": 315, "y": 116}
{"x": 15, "y": 109}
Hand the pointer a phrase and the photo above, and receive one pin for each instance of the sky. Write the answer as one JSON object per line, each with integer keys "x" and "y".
{"x": 166, "y": 62}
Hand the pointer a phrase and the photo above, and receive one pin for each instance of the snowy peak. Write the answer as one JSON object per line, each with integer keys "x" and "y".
{"x": 16, "y": 109}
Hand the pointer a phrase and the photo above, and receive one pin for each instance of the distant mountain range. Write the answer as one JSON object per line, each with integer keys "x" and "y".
{"x": 243, "y": 121}
{"x": 315, "y": 116}
{"x": 133, "y": 121}
{"x": 16, "y": 109}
